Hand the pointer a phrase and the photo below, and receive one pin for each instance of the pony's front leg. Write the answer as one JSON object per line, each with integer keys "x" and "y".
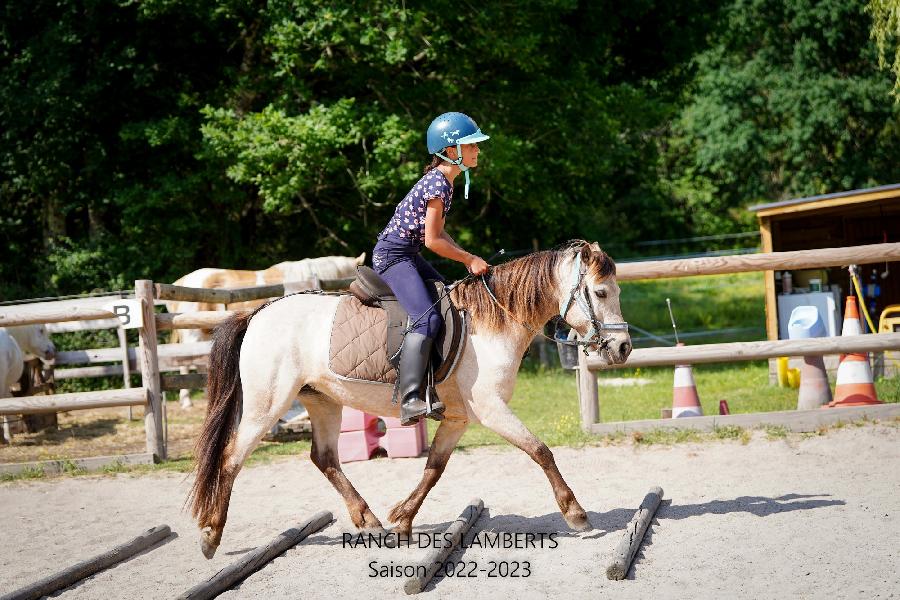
{"x": 445, "y": 440}
{"x": 325, "y": 417}
{"x": 494, "y": 414}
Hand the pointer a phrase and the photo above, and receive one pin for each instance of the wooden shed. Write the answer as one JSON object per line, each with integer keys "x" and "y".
{"x": 853, "y": 218}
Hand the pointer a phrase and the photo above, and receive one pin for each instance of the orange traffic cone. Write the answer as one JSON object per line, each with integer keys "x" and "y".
{"x": 685, "y": 401}
{"x": 854, "y": 386}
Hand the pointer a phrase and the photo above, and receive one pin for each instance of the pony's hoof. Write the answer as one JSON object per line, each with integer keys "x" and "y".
{"x": 397, "y": 537}
{"x": 579, "y": 522}
{"x": 206, "y": 543}
{"x": 377, "y": 531}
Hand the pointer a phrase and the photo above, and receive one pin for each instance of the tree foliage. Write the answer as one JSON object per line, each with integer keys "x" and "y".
{"x": 787, "y": 102}
{"x": 147, "y": 139}
{"x": 886, "y": 33}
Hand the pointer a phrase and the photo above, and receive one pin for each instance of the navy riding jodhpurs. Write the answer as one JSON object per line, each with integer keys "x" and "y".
{"x": 405, "y": 271}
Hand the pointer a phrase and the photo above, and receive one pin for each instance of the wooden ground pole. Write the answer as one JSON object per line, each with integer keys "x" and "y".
{"x": 634, "y": 535}
{"x": 79, "y": 571}
{"x": 436, "y": 556}
{"x": 257, "y": 558}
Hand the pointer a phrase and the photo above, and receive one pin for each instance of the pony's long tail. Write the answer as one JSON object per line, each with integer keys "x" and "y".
{"x": 224, "y": 393}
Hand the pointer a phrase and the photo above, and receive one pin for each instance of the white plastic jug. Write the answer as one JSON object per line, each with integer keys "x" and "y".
{"x": 805, "y": 322}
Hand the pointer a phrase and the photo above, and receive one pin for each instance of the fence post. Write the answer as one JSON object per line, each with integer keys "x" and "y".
{"x": 153, "y": 422}
{"x": 588, "y": 393}
{"x": 126, "y": 366}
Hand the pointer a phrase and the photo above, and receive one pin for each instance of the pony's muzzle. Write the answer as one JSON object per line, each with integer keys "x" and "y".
{"x": 618, "y": 349}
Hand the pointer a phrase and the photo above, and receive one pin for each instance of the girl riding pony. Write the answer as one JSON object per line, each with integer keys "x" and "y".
{"x": 418, "y": 220}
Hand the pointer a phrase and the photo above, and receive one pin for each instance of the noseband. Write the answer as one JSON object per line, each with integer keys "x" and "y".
{"x": 583, "y": 300}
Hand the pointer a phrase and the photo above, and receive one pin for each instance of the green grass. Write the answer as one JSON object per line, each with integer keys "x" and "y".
{"x": 776, "y": 432}
{"x": 732, "y": 432}
{"x": 547, "y": 402}
{"x": 680, "y": 436}
{"x": 745, "y": 386}
{"x": 29, "y": 473}
{"x": 669, "y": 436}
{"x": 269, "y": 450}
{"x": 700, "y": 304}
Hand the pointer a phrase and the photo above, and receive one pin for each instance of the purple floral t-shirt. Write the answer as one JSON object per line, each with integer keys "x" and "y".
{"x": 408, "y": 223}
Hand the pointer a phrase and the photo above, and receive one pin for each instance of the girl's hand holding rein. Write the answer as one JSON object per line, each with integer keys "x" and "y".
{"x": 477, "y": 265}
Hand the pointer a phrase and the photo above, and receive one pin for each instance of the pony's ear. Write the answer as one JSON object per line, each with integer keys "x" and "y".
{"x": 586, "y": 252}
{"x": 596, "y": 247}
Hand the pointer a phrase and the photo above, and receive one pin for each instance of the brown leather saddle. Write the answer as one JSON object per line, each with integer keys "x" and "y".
{"x": 369, "y": 326}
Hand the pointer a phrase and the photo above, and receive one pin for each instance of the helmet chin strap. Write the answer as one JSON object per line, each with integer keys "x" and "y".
{"x": 459, "y": 163}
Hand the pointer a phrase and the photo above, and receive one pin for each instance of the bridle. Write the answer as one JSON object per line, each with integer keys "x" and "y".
{"x": 583, "y": 300}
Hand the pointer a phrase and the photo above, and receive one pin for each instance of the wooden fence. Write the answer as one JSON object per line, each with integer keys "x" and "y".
{"x": 149, "y": 359}
{"x": 741, "y": 351}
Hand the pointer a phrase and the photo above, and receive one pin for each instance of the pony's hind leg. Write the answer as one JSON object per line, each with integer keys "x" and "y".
{"x": 262, "y": 406}
{"x": 445, "y": 440}
{"x": 325, "y": 417}
{"x": 249, "y": 434}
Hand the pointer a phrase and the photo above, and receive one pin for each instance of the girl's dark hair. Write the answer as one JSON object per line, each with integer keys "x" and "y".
{"x": 435, "y": 161}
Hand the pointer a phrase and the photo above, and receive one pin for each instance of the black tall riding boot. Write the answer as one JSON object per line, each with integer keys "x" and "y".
{"x": 414, "y": 355}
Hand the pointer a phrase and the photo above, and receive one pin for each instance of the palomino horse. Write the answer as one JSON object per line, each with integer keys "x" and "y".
{"x": 283, "y": 350}
{"x": 322, "y": 267}
{"x": 15, "y": 342}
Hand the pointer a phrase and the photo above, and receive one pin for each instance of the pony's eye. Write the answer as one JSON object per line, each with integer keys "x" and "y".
{"x": 600, "y": 294}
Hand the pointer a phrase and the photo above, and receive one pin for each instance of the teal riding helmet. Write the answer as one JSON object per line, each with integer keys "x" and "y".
{"x": 453, "y": 128}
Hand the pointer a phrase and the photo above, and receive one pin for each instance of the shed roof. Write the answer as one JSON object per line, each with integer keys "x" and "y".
{"x": 827, "y": 200}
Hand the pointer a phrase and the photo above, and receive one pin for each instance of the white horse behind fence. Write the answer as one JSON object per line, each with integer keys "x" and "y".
{"x": 15, "y": 343}
{"x": 321, "y": 268}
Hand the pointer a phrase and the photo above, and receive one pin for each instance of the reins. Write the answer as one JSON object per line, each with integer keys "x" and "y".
{"x": 525, "y": 325}
{"x": 450, "y": 288}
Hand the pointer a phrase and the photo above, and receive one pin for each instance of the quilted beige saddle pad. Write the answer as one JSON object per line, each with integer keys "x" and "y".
{"x": 358, "y": 346}
{"x": 358, "y": 349}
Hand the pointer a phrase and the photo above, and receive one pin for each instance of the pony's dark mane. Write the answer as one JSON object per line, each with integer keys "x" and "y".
{"x": 525, "y": 286}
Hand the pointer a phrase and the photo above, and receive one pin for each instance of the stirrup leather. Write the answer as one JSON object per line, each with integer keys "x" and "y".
{"x": 436, "y": 408}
